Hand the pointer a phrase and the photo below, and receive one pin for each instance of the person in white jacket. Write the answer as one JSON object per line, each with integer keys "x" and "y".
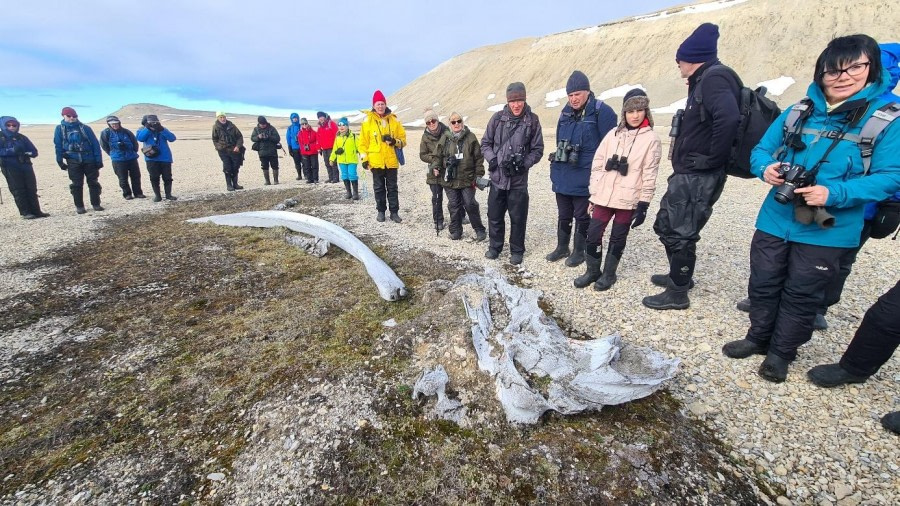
{"x": 623, "y": 179}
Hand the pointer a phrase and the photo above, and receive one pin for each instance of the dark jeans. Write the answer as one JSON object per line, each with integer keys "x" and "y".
{"x": 463, "y": 201}
{"x": 569, "y": 207}
{"x": 23, "y": 186}
{"x": 79, "y": 172}
{"x": 298, "y": 161}
{"x": 268, "y": 161}
{"x": 437, "y": 203}
{"x": 310, "y": 167}
{"x": 384, "y": 185}
{"x": 787, "y": 286}
{"x": 231, "y": 162}
{"x": 331, "y": 168}
{"x": 683, "y": 212}
{"x": 600, "y": 218}
{"x": 499, "y": 202}
{"x": 124, "y": 170}
{"x": 877, "y": 337}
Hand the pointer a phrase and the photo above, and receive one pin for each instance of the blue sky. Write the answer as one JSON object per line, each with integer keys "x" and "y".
{"x": 261, "y": 57}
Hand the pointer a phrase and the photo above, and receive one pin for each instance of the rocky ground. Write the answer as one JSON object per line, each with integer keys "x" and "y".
{"x": 804, "y": 444}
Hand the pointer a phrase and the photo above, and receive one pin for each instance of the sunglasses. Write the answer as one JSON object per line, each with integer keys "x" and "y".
{"x": 66, "y": 115}
{"x": 431, "y": 122}
{"x": 456, "y": 122}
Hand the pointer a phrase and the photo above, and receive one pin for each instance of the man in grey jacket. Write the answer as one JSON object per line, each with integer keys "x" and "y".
{"x": 512, "y": 144}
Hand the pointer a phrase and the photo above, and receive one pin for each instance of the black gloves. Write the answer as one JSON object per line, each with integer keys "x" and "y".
{"x": 388, "y": 140}
{"x": 640, "y": 214}
{"x": 62, "y": 165}
{"x": 696, "y": 161}
{"x": 365, "y": 164}
{"x": 552, "y": 157}
{"x": 492, "y": 165}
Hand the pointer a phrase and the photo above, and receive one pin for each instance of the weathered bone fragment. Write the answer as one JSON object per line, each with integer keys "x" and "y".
{"x": 390, "y": 286}
{"x": 434, "y": 382}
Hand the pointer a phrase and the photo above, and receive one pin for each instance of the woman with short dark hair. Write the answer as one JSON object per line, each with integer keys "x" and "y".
{"x": 813, "y": 214}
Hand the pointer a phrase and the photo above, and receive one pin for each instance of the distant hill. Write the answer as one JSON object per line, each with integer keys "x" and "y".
{"x": 763, "y": 40}
{"x": 132, "y": 114}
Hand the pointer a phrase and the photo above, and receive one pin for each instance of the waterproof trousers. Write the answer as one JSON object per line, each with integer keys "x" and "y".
{"x": 384, "y": 186}
{"x": 125, "y": 170}
{"x": 877, "y": 337}
{"x": 499, "y": 203}
{"x": 462, "y": 201}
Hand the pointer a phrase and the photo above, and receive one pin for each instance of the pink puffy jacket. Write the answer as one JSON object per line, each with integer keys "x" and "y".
{"x": 608, "y": 187}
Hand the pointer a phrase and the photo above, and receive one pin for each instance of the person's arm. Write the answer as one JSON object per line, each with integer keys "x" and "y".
{"x": 134, "y": 142}
{"x": 535, "y": 144}
{"x": 104, "y": 140}
{"x": 763, "y": 155}
{"x": 600, "y": 156}
{"x": 167, "y": 135}
{"x": 722, "y": 105}
{"x": 238, "y": 137}
{"x": 30, "y": 147}
{"x": 882, "y": 181}
{"x": 424, "y": 153}
{"x": 399, "y": 135}
{"x": 650, "y": 168}
{"x": 58, "y": 144}
{"x": 606, "y": 120}
{"x": 478, "y": 157}
{"x": 95, "y": 146}
{"x": 254, "y": 136}
{"x": 487, "y": 141}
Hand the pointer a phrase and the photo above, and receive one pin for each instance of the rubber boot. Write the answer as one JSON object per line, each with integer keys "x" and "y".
{"x": 380, "y": 216}
{"x": 347, "y": 187}
{"x": 577, "y": 256}
{"x": 266, "y": 177}
{"x": 355, "y": 185}
{"x": 891, "y": 422}
{"x": 235, "y": 183}
{"x": 157, "y": 197}
{"x": 832, "y": 375}
{"x": 275, "y": 176}
{"x": 592, "y": 273}
{"x": 675, "y": 297}
{"x": 168, "y": 188}
{"x": 608, "y": 279}
{"x": 396, "y": 217}
{"x": 229, "y": 183}
{"x": 78, "y": 197}
{"x": 774, "y": 368}
{"x": 562, "y": 244}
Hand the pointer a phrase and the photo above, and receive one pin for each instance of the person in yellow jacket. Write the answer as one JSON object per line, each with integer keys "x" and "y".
{"x": 380, "y": 139}
{"x": 346, "y": 155}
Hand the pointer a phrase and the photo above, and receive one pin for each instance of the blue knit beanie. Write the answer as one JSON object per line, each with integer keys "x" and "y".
{"x": 700, "y": 46}
{"x": 577, "y": 82}
{"x": 343, "y": 121}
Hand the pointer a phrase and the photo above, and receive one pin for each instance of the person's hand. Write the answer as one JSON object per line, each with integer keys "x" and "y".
{"x": 771, "y": 176}
{"x": 590, "y": 211}
{"x": 815, "y": 196}
{"x": 436, "y": 172}
{"x": 237, "y": 149}
{"x": 62, "y": 165}
{"x": 98, "y": 165}
{"x": 365, "y": 165}
{"x": 640, "y": 214}
{"x": 696, "y": 161}
{"x": 551, "y": 157}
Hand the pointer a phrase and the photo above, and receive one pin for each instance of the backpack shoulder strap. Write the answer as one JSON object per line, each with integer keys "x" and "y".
{"x": 715, "y": 69}
{"x": 793, "y": 122}
{"x": 872, "y": 128}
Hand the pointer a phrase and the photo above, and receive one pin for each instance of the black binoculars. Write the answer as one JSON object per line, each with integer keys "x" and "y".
{"x": 618, "y": 164}
{"x": 795, "y": 176}
{"x": 515, "y": 166}
{"x": 451, "y": 165}
{"x": 387, "y": 139}
{"x": 121, "y": 145}
{"x": 566, "y": 152}
{"x": 675, "y": 131}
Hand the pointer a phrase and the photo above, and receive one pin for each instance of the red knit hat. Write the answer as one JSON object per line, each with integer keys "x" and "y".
{"x": 68, "y": 111}
{"x": 378, "y": 97}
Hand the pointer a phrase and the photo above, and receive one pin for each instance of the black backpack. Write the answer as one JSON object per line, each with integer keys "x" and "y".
{"x": 757, "y": 114}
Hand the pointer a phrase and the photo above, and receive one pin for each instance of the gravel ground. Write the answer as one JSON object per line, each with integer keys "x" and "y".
{"x": 821, "y": 446}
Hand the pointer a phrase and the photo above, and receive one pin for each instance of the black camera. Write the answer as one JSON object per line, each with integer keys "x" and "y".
{"x": 566, "y": 152}
{"x": 795, "y": 176}
{"x": 515, "y": 166}
{"x": 339, "y": 151}
{"x": 451, "y": 164}
{"x": 306, "y": 147}
{"x": 387, "y": 139}
{"x": 121, "y": 146}
{"x": 262, "y": 136}
{"x": 618, "y": 164}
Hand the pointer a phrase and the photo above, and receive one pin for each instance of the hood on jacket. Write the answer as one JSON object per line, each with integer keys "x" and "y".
{"x": 4, "y": 120}
{"x": 295, "y": 116}
{"x": 890, "y": 60}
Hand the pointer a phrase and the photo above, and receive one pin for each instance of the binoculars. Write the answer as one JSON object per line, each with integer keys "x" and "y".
{"x": 451, "y": 165}
{"x": 795, "y": 176}
{"x": 387, "y": 139}
{"x": 515, "y": 166}
{"x": 675, "y": 131}
{"x": 121, "y": 145}
{"x": 618, "y": 164}
{"x": 339, "y": 151}
{"x": 566, "y": 152}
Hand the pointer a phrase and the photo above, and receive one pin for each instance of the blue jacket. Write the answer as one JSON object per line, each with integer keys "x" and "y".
{"x": 76, "y": 142}
{"x": 110, "y": 142}
{"x": 585, "y": 130}
{"x": 291, "y": 135}
{"x": 842, "y": 173}
{"x": 890, "y": 59}
{"x": 16, "y": 150}
{"x": 161, "y": 139}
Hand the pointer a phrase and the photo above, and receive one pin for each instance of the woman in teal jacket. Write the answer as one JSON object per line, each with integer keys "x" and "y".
{"x": 796, "y": 248}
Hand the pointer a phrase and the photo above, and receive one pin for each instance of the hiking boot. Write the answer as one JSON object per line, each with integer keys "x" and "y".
{"x": 480, "y": 235}
{"x": 891, "y": 422}
{"x": 743, "y": 305}
{"x": 355, "y": 186}
{"x": 29, "y": 216}
{"x": 129, "y": 197}
{"x": 139, "y": 196}
{"x": 266, "y": 178}
{"x": 515, "y": 258}
{"x": 562, "y": 245}
{"x": 349, "y": 194}
{"x": 663, "y": 279}
{"x": 396, "y": 218}
{"x": 41, "y": 214}
{"x": 455, "y": 236}
{"x": 577, "y": 256}
{"x": 275, "y": 176}
{"x": 774, "y": 368}
{"x": 591, "y": 274}
{"x": 743, "y": 348}
{"x": 157, "y": 198}
{"x": 608, "y": 278}
{"x": 380, "y": 216}
{"x": 80, "y": 210}
{"x": 491, "y": 254}
{"x": 832, "y": 375}
{"x": 820, "y": 323}
{"x": 97, "y": 208}
{"x": 439, "y": 225}
{"x": 675, "y": 297}
{"x": 229, "y": 184}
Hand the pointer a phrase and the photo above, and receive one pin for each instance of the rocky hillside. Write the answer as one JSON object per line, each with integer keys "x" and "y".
{"x": 764, "y": 40}
{"x": 132, "y": 114}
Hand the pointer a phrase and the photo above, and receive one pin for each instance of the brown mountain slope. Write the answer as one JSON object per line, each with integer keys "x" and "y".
{"x": 132, "y": 114}
{"x": 761, "y": 39}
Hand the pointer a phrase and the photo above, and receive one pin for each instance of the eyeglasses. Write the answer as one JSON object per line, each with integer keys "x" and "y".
{"x": 456, "y": 122}
{"x": 852, "y": 71}
{"x": 431, "y": 122}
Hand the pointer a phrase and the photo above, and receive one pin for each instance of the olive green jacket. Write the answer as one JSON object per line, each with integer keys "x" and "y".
{"x": 428, "y": 152}
{"x": 471, "y": 164}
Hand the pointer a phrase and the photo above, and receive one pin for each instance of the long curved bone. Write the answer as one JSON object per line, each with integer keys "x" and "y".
{"x": 390, "y": 286}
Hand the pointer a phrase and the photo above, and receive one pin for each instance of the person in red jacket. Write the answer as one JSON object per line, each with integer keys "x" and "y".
{"x": 326, "y": 134}
{"x": 309, "y": 151}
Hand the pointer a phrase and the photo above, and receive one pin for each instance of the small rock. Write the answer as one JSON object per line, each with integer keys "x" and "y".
{"x": 698, "y": 408}
{"x": 390, "y": 323}
{"x": 461, "y": 352}
{"x": 215, "y": 476}
{"x": 781, "y": 471}
{"x": 783, "y": 501}
{"x": 743, "y": 384}
{"x": 841, "y": 491}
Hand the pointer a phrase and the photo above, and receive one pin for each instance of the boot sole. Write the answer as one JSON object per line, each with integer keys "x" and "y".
{"x": 668, "y": 306}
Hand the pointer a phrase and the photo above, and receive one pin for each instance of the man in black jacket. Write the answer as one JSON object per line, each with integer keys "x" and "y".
{"x": 700, "y": 153}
